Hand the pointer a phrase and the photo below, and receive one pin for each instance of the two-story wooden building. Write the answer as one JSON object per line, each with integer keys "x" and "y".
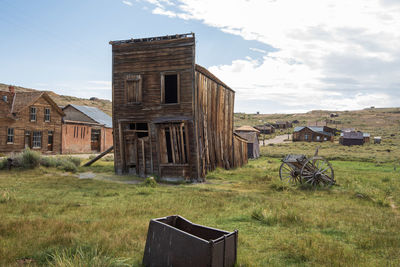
{"x": 171, "y": 117}
{"x": 29, "y": 120}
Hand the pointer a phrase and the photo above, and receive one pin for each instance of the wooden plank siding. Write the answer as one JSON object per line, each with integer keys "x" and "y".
{"x": 23, "y": 124}
{"x": 185, "y": 139}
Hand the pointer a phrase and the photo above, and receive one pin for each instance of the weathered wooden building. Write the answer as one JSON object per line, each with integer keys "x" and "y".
{"x": 85, "y": 130}
{"x": 265, "y": 129}
{"x": 251, "y": 135}
{"x": 351, "y": 138}
{"x": 171, "y": 117}
{"x": 312, "y": 134}
{"x": 29, "y": 120}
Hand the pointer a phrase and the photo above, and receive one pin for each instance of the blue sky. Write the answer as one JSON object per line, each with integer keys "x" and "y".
{"x": 277, "y": 60}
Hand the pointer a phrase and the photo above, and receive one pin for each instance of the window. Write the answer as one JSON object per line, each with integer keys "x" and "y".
{"x": 37, "y": 139}
{"x": 47, "y": 114}
{"x": 170, "y": 88}
{"x": 318, "y": 138}
{"x": 140, "y": 128}
{"x": 133, "y": 88}
{"x": 306, "y": 137}
{"x": 325, "y": 139}
{"x": 33, "y": 114}
{"x": 10, "y": 135}
{"x": 50, "y": 140}
{"x": 173, "y": 143}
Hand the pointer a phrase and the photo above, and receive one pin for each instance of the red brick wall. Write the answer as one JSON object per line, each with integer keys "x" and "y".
{"x": 76, "y": 138}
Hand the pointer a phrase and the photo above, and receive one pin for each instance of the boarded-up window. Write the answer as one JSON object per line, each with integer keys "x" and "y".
{"x": 170, "y": 88}
{"x": 33, "y": 114}
{"x": 173, "y": 143}
{"x": 133, "y": 88}
{"x": 10, "y": 135}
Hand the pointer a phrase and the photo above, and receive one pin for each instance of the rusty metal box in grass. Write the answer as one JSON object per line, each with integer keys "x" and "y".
{"x": 175, "y": 241}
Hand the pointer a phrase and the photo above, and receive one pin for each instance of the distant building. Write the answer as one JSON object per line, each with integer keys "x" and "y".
{"x": 86, "y": 130}
{"x": 351, "y": 138}
{"x": 251, "y": 135}
{"x": 312, "y": 134}
{"x": 29, "y": 120}
{"x": 282, "y": 124}
{"x": 333, "y": 115}
{"x": 377, "y": 140}
{"x": 366, "y": 137}
{"x": 265, "y": 129}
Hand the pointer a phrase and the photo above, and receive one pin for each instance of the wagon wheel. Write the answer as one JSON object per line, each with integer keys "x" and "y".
{"x": 317, "y": 171}
{"x": 287, "y": 174}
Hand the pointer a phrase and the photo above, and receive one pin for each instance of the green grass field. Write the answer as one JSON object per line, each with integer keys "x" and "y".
{"x": 53, "y": 218}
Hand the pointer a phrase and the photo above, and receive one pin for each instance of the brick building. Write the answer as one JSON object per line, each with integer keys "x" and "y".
{"x": 85, "y": 130}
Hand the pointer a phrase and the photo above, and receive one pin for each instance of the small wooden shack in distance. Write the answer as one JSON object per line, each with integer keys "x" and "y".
{"x": 171, "y": 117}
{"x": 251, "y": 135}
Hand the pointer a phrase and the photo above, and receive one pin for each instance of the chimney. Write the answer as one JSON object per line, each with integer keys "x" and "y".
{"x": 11, "y": 89}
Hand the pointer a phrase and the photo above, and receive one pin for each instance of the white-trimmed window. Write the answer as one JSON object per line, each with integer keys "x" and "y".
{"x": 10, "y": 135}
{"x": 37, "y": 139}
{"x": 318, "y": 138}
{"x": 33, "y": 114}
{"x": 306, "y": 137}
{"x": 47, "y": 114}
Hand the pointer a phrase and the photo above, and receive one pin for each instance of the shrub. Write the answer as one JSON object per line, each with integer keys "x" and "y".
{"x": 150, "y": 181}
{"x": 66, "y": 165}
{"x": 48, "y": 162}
{"x": 76, "y": 161}
{"x": 27, "y": 159}
{"x": 3, "y": 163}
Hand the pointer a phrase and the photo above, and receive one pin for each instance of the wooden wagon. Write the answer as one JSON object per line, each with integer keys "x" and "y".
{"x": 300, "y": 169}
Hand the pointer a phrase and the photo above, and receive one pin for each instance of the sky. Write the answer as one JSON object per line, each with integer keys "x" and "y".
{"x": 280, "y": 56}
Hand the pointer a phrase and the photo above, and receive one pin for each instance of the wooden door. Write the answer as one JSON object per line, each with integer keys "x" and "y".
{"x": 144, "y": 156}
{"x": 95, "y": 140}
{"x": 28, "y": 139}
{"x": 131, "y": 153}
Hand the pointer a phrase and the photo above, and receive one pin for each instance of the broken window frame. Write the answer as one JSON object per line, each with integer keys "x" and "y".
{"x": 178, "y": 142}
{"x": 136, "y": 79}
{"x": 163, "y": 74}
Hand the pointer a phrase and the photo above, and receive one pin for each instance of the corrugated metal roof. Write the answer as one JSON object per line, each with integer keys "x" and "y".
{"x": 316, "y": 129}
{"x": 95, "y": 114}
{"x": 366, "y": 135}
{"x": 353, "y": 135}
{"x": 298, "y": 128}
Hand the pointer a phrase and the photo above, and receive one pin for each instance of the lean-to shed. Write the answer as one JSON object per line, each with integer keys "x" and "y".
{"x": 251, "y": 135}
{"x": 171, "y": 117}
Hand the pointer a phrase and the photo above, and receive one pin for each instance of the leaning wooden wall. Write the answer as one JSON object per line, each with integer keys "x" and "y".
{"x": 215, "y": 103}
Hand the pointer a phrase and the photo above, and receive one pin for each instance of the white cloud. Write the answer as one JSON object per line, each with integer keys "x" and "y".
{"x": 334, "y": 53}
{"x": 128, "y": 3}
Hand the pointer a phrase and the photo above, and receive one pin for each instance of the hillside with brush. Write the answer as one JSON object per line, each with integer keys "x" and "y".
{"x": 63, "y": 100}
